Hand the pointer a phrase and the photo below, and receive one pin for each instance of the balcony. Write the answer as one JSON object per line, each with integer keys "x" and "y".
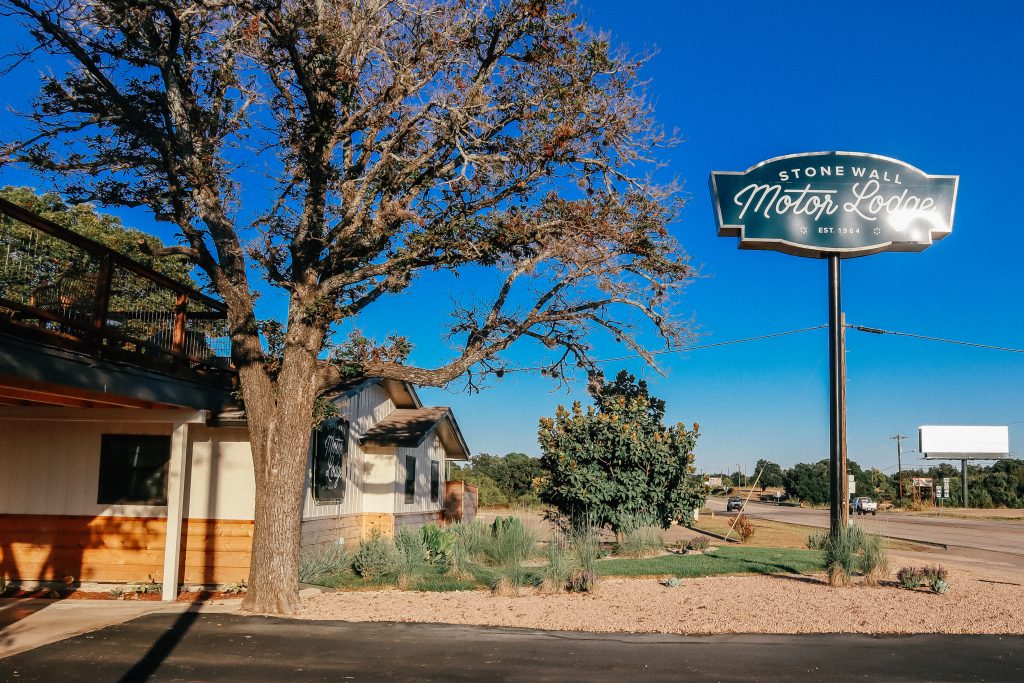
{"x": 63, "y": 290}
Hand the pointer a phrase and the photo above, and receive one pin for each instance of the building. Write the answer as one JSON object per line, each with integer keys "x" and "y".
{"x": 123, "y": 456}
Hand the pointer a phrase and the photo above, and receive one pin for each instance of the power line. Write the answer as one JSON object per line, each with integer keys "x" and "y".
{"x": 875, "y": 330}
{"x": 711, "y": 346}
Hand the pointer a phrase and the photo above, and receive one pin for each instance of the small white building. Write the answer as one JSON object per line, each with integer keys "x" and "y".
{"x": 90, "y": 493}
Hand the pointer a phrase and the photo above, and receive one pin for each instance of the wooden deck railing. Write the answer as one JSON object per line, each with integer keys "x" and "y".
{"x": 63, "y": 289}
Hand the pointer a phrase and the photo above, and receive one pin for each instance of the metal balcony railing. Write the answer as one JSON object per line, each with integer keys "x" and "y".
{"x": 61, "y": 288}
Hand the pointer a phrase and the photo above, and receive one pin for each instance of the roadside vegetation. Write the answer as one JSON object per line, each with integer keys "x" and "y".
{"x": 999, "y": 485}
{"x": 507, "y": 556}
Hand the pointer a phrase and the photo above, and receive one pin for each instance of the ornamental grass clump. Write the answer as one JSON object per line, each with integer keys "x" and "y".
{"x": 558, "y": 567}
{"x": 874, "y": 559}
{"x": 584, "y": 551}
{"x": 816, "y": 540}
{"x": 840, "y": 558}
{"x": 327, "y": 560}
{"x": 642, "y": 541}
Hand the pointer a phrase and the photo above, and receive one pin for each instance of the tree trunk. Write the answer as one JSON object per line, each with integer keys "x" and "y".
{"x": 280, "y": 423}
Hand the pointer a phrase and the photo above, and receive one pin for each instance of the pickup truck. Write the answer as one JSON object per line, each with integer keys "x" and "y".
{"x": 863, "y": 506}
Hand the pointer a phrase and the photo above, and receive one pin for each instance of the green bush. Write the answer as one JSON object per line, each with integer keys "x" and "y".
{"x": 377, "y": 558}
{"x": 558, "y": 568}
{"x": 321, "y": 561}
{"x": 438, "y": 542}
{"x": 698, "y": 543}
{"x": 910, "y": 577}
{"x": 936, "y": 577}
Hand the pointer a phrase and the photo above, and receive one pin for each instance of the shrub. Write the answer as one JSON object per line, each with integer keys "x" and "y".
{"x": 840, "y": 557}
{"x": 698, "y": 543}
{"x": 321, "y": 561}
{"x": 642, "y": 541}
{"x": 376, "y": 558}
{"x": 468, "y": 544}
{"x": 816, "y": 540}
{"x": 874, "y": 560}
{"x": 744, "y": 528}
{"x": 936, "y": 577}
{"x": 438, "y": 543}
{"x": 910, "y": 577}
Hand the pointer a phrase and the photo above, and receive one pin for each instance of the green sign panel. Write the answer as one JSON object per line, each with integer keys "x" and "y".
{"x": 844, "y": 203}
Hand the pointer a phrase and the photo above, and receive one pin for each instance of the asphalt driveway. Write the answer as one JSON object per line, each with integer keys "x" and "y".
{"x": 194, "y": 646}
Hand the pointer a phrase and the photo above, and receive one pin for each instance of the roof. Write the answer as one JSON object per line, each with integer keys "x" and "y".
{"x": 410, "y": 427}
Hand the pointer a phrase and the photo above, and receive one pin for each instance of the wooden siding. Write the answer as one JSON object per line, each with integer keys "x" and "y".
{"x": 120, "y": 549}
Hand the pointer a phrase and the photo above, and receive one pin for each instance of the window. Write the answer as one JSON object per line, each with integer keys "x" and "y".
{"x": 435, "y": 481}
{"x": 133, "y": 469}
{"x": 410, "y": 479}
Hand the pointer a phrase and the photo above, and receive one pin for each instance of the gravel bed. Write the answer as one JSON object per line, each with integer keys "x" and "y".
{"x": 728, "y": 604}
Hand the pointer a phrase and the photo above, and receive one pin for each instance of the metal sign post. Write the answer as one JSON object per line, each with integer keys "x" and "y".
{"x": 834, "y": 205}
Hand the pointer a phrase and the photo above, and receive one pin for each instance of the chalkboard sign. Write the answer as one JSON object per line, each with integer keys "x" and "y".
{"x": 330, "y": 451}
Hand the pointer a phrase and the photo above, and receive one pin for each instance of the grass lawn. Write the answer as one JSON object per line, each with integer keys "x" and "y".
{"x": 725, "y": 560}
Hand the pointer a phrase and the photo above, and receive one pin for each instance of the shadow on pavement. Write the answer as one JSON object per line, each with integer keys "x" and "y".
{"x": 162, "y": 648}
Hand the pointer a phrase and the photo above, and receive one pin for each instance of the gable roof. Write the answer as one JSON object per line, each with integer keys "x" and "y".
{"x": 410, "y": 427}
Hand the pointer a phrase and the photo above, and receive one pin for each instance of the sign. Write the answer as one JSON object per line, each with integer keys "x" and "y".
{"x": 845, "y": 203}
{"x": 922, "y": 483}
{"x": 330, "y": 446}
{"x": 851, "y": 483}
{"x": 947, "y": 442}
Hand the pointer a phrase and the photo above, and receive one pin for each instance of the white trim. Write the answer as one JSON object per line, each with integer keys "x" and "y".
{"x": 175, "y": 509}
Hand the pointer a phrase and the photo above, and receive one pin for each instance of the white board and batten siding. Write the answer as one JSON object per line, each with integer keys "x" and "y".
{"x": 430, "y": 450}
{"x": 53, "y": 469}
{"x": 363, "y": 410}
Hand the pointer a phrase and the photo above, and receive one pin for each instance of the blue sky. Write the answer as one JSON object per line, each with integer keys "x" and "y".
{"x": 935, "y": 84}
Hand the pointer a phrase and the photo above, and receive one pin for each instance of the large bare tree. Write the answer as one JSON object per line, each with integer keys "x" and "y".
{"x": 401, "y": 136}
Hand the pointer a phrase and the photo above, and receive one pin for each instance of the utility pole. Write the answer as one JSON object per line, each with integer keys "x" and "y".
{"x": 899, "y": 460}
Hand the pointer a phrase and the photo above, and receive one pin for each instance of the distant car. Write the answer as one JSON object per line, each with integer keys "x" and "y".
{"x": 735, "y": 503}
{"x": 863, "y": 506}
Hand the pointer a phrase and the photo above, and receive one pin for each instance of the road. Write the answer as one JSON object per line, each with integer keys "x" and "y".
{"x": 987, "y": 541}
{"x": 221, "y": 647}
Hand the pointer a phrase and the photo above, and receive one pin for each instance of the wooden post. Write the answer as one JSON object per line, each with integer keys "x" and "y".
{"x": 101, "y": 298}
{"x": 180, "y": 323}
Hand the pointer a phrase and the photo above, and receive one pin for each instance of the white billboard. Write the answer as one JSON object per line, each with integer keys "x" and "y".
{"x": 949, "y": 442}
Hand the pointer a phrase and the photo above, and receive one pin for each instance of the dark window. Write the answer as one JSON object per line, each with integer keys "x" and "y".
{"x": 435, "y": 481}
{"x": 410, "y": 479}
{"x": 133, "y": 469}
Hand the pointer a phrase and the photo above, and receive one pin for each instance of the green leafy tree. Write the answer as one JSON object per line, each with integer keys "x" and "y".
{"x": 808, "y": 482}
{"x": 55, "y": 261}
{"x": 488, "y": 491}
{"x": 771, "y": 474}
{"x": 616, "y": 464}
{"x": 514, "y": 473}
